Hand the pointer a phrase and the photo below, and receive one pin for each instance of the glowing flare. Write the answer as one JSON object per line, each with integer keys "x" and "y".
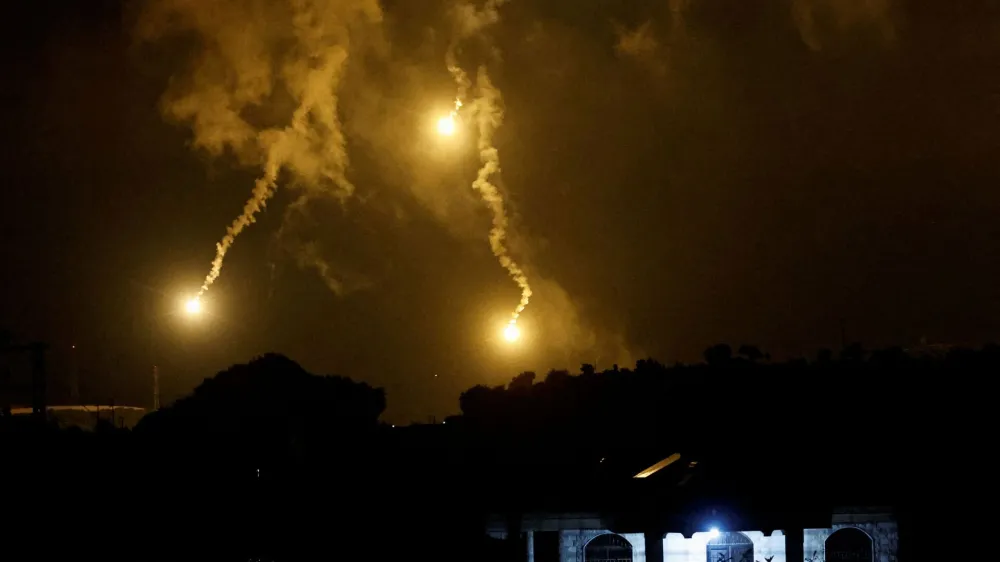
{"x": 446, "y": 125}
{"x": 193, "y": 306}
{"x": 511, "y": 333}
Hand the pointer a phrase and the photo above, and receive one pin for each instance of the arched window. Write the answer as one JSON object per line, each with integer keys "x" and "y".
{"x": 730, "y": 547}
{"x": 849, "y": 545}
{"x": 608, "y": 548}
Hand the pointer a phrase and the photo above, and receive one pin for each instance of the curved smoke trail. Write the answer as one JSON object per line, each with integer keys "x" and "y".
{"x": 489, "y": 116}
{"x": 263, "y": 190}
{"x": 488, "y": 113}
{"x": 315, "y": 130}
{"x": 250, "y": 51}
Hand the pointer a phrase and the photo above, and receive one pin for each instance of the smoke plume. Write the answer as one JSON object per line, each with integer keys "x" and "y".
{"x": 339, "y": 280}
{"x": 259, "y": 60}
{"x": 818, "y": 20}
{"x": 489, "y": 116}
{"x": 470, "y": 22}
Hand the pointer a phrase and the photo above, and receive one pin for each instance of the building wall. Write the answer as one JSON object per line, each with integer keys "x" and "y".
{"x": 572, "y": 544}
{"x": 677, "y": 548}
{"x": 884, "y": 534}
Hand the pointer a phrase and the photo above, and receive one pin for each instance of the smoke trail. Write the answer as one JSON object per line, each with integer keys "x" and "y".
{"x": 252, "y": 53}
{"x": 263, "y": 190}
{"x": 470, "y": 21}
{"x": 819, "y": 20}
{"x": 315, "y": 126}
{"x": 461, "y": 80}
{"x": 489, "y": 116}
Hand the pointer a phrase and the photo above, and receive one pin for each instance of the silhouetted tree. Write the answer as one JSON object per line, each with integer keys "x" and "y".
{"x": 853, "y": 352}
{"x": 887, "y": 357}
{"x": 269, "y": 408}
{"x": 557, "y": 377}
{"x": 751, "y": 352}
{"x": 648, "y": 365}
{"x": 481, "y": 401}
{"x": 719, "y": 354}
{"x": 522, "y": 382}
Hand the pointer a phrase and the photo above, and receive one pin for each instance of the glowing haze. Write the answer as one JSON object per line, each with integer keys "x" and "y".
{"x": 657, "y": 156}
{"x": 288, "y": 88}
{"x": 447, "y": 124}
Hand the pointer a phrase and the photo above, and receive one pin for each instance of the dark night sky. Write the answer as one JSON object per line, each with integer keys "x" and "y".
{"x": 680, "y": 173}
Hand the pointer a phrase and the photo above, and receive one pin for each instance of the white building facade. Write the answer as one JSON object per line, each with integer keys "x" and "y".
{"x": 851, "y": 537}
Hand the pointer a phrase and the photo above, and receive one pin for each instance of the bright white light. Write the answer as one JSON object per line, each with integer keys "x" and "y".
{"x": 193, "y": 306}
{"x": 713, "y": 532}
{"x": 511, "y": 333}
{"x": 446, "y": 125}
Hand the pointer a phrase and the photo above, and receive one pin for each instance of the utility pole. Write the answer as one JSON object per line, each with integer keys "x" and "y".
{"x": 152, "y": 357}
{"x": 74, "y": 377}
{"x": 156, "y": 388}
{"x": 38, "y": 379}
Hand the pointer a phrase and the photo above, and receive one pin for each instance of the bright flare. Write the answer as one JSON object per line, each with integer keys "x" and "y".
{"x": 446, "y": 125}
{"x": 193, "y": 306}
{"x": 511, "y": 333}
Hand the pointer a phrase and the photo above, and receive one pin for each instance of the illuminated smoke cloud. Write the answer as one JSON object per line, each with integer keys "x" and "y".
{"x": 639, "y": 42}
{"x": 471, "y": 21}
{"x": 339, "y": 280}
{"x": 260, "y": 59}
{"x": 818, "y": 20}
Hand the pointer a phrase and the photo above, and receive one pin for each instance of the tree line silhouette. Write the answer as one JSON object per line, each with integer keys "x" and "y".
{"x": 250, "y": 446}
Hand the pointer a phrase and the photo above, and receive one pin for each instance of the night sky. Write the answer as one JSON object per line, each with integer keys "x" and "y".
{"x": 677, "y": 173}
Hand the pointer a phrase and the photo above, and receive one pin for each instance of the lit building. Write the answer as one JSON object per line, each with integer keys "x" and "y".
{"x": 664, "y": 514}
